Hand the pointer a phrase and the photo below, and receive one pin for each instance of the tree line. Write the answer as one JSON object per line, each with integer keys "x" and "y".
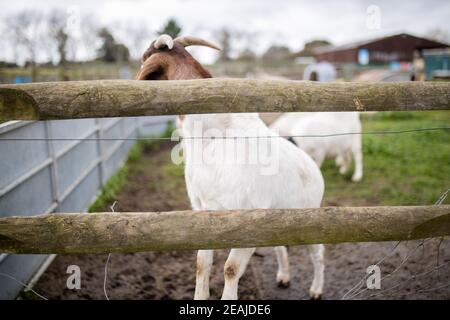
{"x": 60, "y": 36}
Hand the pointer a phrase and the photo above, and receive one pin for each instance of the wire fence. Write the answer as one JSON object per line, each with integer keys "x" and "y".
{"x": 179, "y": 138}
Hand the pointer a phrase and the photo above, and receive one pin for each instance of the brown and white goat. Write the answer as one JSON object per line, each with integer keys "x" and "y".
{"x": 224, "y": 179}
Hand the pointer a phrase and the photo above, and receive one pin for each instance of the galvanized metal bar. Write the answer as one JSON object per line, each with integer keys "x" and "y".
{"x": 53, "y": 164}
{"x": 79, "y": 180}
{"x": 99, "y": 134}
{"x": 76, "y": 142}
{"x": 25, "y": 177}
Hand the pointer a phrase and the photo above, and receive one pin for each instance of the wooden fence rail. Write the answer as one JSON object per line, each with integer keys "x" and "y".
{"x": 182, "y": 230}
{"x": 114, "y": 98}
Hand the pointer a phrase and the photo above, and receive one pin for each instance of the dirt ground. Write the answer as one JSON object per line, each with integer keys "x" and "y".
{"x": 157, "y": 185}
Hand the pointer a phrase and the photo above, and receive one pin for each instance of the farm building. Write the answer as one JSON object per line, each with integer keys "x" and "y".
{"x": 437, "y": 63}
{"x": 384, "y": 50}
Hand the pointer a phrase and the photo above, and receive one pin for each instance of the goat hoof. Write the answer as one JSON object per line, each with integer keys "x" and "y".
{"x": 283, "y": 284}
{"x": 283, "y": 280}
{"x": 315, "y": 296}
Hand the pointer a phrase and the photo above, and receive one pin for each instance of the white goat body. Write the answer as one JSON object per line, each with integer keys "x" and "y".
{"x": 332, "y": 124}
{"x": 220, "y": 183}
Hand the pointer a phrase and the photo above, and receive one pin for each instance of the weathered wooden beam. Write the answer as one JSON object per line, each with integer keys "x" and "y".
{"x": 181, "y": 230}
{"x": 119, "y": 98}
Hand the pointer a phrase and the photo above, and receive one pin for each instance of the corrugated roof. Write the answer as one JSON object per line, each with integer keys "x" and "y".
{"x": 357, "y": 44}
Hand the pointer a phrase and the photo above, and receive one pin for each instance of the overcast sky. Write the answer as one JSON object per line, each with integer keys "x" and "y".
{"x": 289, "y": 22}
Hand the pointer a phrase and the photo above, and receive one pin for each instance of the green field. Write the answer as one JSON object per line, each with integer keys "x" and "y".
{"x": 399, "y": 169}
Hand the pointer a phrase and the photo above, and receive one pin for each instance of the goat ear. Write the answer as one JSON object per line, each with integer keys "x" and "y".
{"x": 151, "y": 69}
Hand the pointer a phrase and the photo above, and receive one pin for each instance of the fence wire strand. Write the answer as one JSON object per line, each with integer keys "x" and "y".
{"x": 179, "y": 138}
{"x": 357, "y": 289}
{"x": 24, "y": 285}
{"x": 107, "y": 259}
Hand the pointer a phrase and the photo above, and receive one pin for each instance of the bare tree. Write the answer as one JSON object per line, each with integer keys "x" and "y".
{"x": 225, "y": 44}
{"x": 10, "y": 39}
{"x": 57, "y": 21}
{"x": 247, "y": 42}
{"x": 138, "y": 38}
{"x": 277, "y": 52}
{"x": 89, "y": 39}
{"x": 112, "y": 51}
{"x": 26, "y": 29}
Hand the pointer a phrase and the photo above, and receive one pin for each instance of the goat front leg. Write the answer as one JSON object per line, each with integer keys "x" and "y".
{"x": 204, "y": 264}
{"x": 234, "y": 268}
{"x": 344, "y": 162}
{"x": 316, "y": 252}
{"x": 358, "y": 158}
{"x": 283, "y": 274}
{"x": 204, "y": 260}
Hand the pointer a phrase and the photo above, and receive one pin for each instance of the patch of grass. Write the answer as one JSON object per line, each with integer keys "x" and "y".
{"x": 110, "y": 190}
{"x": 399, "y": 169}
{"x": 173, "y": 170}
{"x": 173, "y": 176}
{"x": 28, "y": 295}
{"x": 151, "y": 145}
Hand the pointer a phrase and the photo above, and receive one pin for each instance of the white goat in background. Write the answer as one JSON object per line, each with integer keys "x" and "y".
{"x": 343, "y": 148}
{"x": 219, "y": 182}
